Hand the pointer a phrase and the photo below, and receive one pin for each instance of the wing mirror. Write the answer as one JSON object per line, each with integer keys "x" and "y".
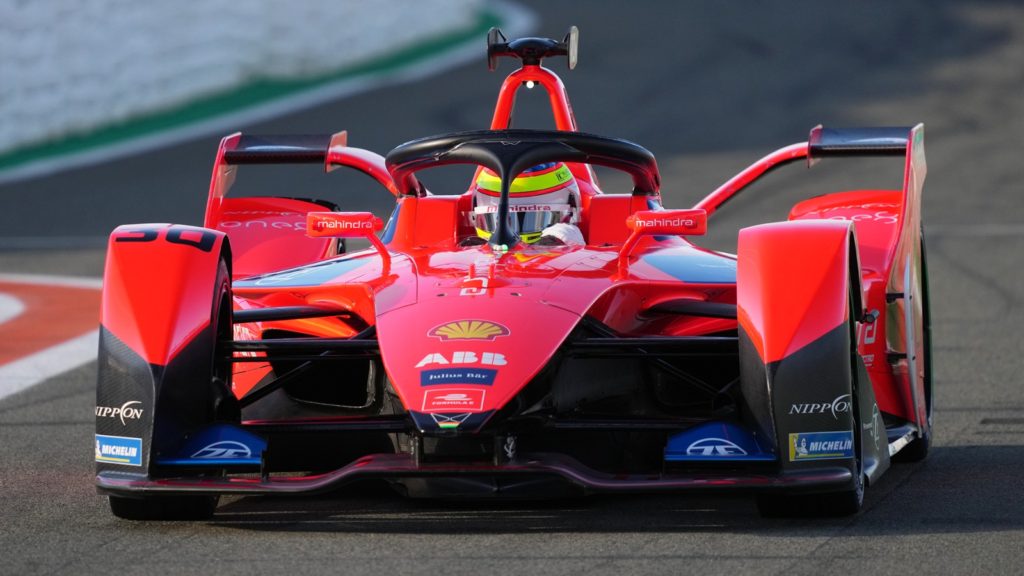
{"x": 348, "y": 225}
{"x": 692, "y": 222}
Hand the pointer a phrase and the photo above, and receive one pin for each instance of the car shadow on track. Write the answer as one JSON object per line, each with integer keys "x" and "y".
{"x": 959, "y": 489}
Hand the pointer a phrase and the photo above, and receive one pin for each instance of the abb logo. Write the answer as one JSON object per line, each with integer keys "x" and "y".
{"x": 486, "y": 359}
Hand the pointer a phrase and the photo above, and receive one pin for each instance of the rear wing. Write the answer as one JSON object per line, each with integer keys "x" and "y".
{"x": 907, "y": 142}
{"x": 330, "y": 150}
{"x": 883, "y": 141}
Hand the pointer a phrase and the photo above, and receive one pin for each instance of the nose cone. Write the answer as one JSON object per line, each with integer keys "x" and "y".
{"x": 454, "y": 365}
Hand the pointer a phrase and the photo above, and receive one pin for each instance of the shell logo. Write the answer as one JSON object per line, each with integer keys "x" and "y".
{"x": 469, "y": 330}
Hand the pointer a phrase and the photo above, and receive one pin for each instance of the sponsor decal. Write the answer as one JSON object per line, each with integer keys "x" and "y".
{"x": 262, "y": 224}
{"x": 692, "y": 221}
{"x": 510, "y": 447}
{"x": 448, "y": 399}
{"x": 463, "y": 357}
{"x": 469, "y": 330}
{"x": 225, "y": 449}
{"x": 481, "y": 376}
{"x": 870, "y": 330}
{"x": 344, "y": 224}
{"x": 119, "y": 450}
{"x": 875, "y": 427}
{"x": 475, "y": 286}
{"x": 840, "y": 405}
{"x": 338, "y": 224}
{"x": 714, "y": 447}
{"x": 879, "y": 217}
{"x": 130, "y": 410}
{"x": 820, "y": 445}
{"x": 493, "y": 208}
{"x": 449, "y": 420}
{"x": 666, "y": 222}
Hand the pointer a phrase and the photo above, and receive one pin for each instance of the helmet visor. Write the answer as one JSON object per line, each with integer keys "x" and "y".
{"x": 526, "y": 219}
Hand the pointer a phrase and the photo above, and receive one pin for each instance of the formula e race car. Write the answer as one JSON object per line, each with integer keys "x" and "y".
{"x": 456, "y": 357}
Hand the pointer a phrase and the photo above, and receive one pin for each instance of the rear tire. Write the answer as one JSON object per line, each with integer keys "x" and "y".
{"x": 918, "y": 449}
{"x": 164, "y": 507}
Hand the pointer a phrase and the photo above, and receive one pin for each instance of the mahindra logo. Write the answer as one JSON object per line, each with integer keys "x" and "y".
{"x": 840, "y": 405}
{"x": 674, "y": 222}
{"x": 344, "y": 225}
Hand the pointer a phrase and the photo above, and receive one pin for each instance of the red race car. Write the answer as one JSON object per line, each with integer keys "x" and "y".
{"x": 532, "y": 336}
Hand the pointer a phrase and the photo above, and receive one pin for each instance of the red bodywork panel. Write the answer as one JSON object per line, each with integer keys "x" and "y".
{"x": 800, "y": 290}
{"x": 156, "y": 286}
{"x": 270, "y": 234}
{"x": 875, "y": 215}
{"x": 449, "y": 318}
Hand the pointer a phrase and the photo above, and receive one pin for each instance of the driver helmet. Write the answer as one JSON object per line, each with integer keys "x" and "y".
{"x": 539, "y": 197}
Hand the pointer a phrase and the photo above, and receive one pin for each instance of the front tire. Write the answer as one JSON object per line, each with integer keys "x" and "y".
{"x": 828, "y": 504}
{"x": 222, "y": 406}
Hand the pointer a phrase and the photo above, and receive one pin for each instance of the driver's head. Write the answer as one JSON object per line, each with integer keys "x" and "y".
{"x": 541, "y": 196}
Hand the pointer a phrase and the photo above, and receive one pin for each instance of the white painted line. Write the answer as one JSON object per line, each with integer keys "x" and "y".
{"x": 26, "y": 372}
{"x": 516, "y": 21}
{"x": 31, "y": 370}
{"x": 46, "y": 280}
{"x": 10, "y": 307}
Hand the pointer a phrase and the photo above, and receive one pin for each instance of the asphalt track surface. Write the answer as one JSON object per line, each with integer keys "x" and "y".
{"x": 708, "y": 89}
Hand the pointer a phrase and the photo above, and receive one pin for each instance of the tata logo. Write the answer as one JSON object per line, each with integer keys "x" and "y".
{"x": 714, "y": 447}
{"x": 840, "y": 405}
{"x": 128, "y": 411}
{"x": 469, "y": 330}
{"x": 486, "y": 359}
{"x": 225, "y": 449}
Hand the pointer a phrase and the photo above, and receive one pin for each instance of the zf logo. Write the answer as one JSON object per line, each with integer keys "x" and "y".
{"x": 714, "y": 447}
{"x": 225, "y": 449}
{"x": 185, "y": 235}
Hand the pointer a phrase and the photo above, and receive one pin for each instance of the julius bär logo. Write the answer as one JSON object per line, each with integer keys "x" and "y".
{"x": 469, "y": 330}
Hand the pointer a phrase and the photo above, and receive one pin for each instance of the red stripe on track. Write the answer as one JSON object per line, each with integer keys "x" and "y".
{"x": 52, "y": 315}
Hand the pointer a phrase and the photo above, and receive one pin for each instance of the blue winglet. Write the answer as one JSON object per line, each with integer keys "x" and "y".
{"x": 218, "y": 446}
{"x": 716, "y": 442}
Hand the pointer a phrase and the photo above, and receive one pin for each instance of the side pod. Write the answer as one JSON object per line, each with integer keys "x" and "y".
{"x": 798, "y": 301}
{"x": 166, "y": 302}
